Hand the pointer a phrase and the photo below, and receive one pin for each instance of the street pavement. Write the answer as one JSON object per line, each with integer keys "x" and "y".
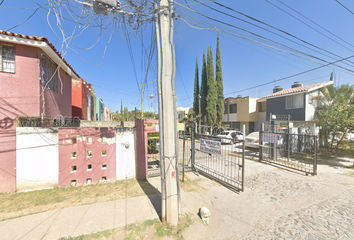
{"x": 276, "y": 204}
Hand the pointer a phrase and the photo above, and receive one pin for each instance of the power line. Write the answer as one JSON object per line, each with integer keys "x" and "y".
{"x": 278, "y": 49}
{"x": 305, "y": 23}
{"x": 23, "y": 21}
{"x": 285, "y": 32}
{"x": 345, "y": 7}
{"x": 320, "y": 26}
{"x": 262, "y": 37}
{"x": 179, "y": 71}
{"x": 294, "y": 75}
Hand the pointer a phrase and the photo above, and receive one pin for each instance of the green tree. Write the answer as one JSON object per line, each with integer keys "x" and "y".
{"x": 335, "y": 112}
{"x": 204, "y": 87}
{"x": 220, "y": 105}
{"x": 196, "y": 90}
{"x": 212, "y": 96}
{"x": 121, "y": 106}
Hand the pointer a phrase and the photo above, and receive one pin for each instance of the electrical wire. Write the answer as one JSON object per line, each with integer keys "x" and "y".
{"x": 291, "y": 76}
{"x": 307, "y": 24}
{"x": 285, "y": 32}
{"x": 24, "y": 20}
{"x": 345, "y": 7}
{"x": 262, "y": 37}
{"x": 335, "y": 35}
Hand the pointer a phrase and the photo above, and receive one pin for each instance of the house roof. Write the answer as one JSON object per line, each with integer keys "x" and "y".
{"x": 307, "y": 88}
{"x": 21, "y": 39}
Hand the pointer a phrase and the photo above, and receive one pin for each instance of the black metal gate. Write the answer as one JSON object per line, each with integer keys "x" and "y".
{"x": 295, "y": 151}
{"x": 153, "y": 156}
{"x": 223, "y": 163}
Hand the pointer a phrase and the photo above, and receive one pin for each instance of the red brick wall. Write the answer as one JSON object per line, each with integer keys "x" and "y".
{"x": 82, "y": 173}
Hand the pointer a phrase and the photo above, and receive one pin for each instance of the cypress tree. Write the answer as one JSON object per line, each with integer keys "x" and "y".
{"x": 212, "y": 92}
{"x": 203, "y": 87}
{"x": 121, "y": 107}
{"x": 196, "y": 90}
{"x": 220, "y": 106}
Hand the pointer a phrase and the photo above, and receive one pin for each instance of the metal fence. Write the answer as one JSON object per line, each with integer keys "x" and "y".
{"x": 58, "y": 121}
{"x": 223, "y": 163}
{"x": 295, "y": 151}
{"x": 184, "y": 156}
{"x": 153, "y": 156}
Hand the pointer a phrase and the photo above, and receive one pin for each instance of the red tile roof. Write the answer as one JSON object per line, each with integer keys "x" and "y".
{"x": 42, "y": 39}
{"x": 299, "y": 89}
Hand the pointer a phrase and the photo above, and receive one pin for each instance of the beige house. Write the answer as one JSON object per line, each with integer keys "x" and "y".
{"x": 241, "y": 111}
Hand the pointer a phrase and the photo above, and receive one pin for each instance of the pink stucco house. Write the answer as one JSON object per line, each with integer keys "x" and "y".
{"x": 34, "y": 81}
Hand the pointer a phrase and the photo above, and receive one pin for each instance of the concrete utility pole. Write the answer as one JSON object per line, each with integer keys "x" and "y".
{"x": 168, "y": 115}
{"x": 166, "y": 94}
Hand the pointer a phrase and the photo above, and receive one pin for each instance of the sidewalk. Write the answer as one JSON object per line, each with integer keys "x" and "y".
{"x": 86, "y": 219}
{"x": 276, "y": 204}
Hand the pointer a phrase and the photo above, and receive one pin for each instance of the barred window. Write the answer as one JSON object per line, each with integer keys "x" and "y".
{"x": 49, "y": 73}
{"x": 7, "y": 58}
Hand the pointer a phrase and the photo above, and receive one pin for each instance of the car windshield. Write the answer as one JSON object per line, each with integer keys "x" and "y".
{"x": 254, "y": 135}
{"x": 224, "y": 133}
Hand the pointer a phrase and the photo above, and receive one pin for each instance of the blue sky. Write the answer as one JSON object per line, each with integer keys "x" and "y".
{"x": 305, "y": 35}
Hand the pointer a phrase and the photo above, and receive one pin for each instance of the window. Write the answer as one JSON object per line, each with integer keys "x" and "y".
{"x": 89, "y": 153}
{"x": 73, "y": 154}
{"x": 73, "y": 141}
{"x": 49, "y": 73}
{"x": 7, "y": 58}
{"x": 73, "y": 169}
{"x": 89, "y": 140}
{"x": 104, "y": 165}
{"x": 89, "y": 167}
{"x": 104, "y": 152}
{"x": 233, "y": 108}
{"x": 295, "y": 101}
{"x": 262, "y": 106}
{"x": 226, "y": 109}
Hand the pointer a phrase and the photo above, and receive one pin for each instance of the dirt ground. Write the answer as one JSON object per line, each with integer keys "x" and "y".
{"x": 277, "y": 204}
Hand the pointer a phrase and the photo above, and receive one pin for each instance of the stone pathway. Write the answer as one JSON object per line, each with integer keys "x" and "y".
{"x": 309, "y": 207}
{"x": 330, "y": 219}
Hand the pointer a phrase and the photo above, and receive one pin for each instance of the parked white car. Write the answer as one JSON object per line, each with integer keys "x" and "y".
{"x": 230, "y": 136}
{"x": 252, "y": 140}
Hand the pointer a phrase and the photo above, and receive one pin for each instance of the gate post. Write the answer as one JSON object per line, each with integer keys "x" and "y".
{"x": 243, "y": 165}
{"x": 193, "y": 147}
{"x": 260, "y": 150}
{"x": 184, "y": 148}
{"x": 315, "y": 159}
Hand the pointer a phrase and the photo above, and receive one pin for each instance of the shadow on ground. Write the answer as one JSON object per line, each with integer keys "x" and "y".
{"x": 153, "y": 194}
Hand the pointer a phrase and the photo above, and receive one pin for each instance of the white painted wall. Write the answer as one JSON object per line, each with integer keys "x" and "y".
{"x": 224, "y": 118}
{"x": 125, "y": 157}
{"x": 252, "y": 105}
{"x": 261, "y": 119}
{"x": 233, "y": 117}
{"x": 37, "y": 158}
{"x": 310, "y": 108}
